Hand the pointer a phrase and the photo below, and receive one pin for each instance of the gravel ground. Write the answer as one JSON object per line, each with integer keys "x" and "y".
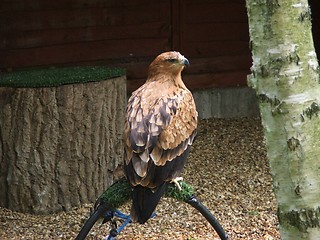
{"x": 229, "y": 171}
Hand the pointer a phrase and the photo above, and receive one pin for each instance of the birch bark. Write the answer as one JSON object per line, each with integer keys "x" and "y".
{"x": 286, "y": 79}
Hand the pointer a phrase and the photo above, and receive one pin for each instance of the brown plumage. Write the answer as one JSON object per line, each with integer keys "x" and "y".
{"x": 160, "y": 127}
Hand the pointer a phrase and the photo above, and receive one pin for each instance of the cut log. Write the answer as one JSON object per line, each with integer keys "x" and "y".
{"x": 60, "y": 146}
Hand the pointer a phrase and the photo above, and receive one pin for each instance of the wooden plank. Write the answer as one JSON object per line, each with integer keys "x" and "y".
{"x": 136, "y": 70}
{"x": 215, "y": 1}
{"x": 85, "y": 17}
{"x": 120, "y": 32}
{"x": 134, "y": 84}
{"x": 139, "y": 70}
{"x": 35, "y": 5}
{"x": 213, "y": 11}
{"x": 198, "y": 66}
{"x": 214, "y": 80}
{"x": 77, "y": 52}
{"x": 203, "y": 81}
{"x": 231, "y": 31}
{"x": 176, "y": 20}
{"x": 216, "y": 48}
{"x": 40, "y": 38}
{"x": 219, "y": 64}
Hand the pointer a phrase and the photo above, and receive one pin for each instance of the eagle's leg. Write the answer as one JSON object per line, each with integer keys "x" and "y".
{"x": 176, "y": 182}
{"x": 116, "y": 230}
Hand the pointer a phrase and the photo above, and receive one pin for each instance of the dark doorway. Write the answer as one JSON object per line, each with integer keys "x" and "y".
{"x": 315, "y": 13}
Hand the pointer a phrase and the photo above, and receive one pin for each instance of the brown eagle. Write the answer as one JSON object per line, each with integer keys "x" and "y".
{"x": 161, "y": 122}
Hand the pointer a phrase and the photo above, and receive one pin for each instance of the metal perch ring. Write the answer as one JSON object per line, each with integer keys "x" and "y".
{"x": 120, "y": 192}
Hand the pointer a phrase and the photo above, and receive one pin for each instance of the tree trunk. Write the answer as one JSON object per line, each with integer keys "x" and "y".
{"x": 285, "y": 77}
{"x": 59, "y": 146}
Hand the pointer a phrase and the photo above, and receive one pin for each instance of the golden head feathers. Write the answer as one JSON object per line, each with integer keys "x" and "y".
{"x": 168, "y": 63}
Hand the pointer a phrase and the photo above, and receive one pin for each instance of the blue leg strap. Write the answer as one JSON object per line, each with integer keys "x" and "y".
{"x": 116, "y": 213}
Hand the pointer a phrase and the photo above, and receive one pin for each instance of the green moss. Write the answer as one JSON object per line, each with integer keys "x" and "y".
{"x": 120, "y": 192}
{"x": 184, "y": 195}
{"x": 117, "y": 194}
{"x": 58, "y": 76}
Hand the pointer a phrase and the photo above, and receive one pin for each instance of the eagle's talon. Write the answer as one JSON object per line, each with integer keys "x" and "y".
{"x": 176, "y": 182}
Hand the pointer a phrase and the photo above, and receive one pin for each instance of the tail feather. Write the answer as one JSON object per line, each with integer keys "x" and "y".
{"x": 144, "y": 202}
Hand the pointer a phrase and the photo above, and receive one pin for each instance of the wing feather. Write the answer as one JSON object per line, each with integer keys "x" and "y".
{"x": 158, "y": 129}
{"x": 139, "y": 166}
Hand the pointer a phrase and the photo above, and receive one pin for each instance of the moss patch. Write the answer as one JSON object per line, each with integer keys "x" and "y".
{"x": 117, "y": 194}
{"x": 58, "y": 76}
{"x": 184, "y": 195}
{"x": 120, "y": 192}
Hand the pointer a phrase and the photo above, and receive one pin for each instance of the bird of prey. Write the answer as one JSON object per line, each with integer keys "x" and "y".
{"x": 160, "y": 126}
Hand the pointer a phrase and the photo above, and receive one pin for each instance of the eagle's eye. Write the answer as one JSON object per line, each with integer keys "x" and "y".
{"x": 171, "y": 60}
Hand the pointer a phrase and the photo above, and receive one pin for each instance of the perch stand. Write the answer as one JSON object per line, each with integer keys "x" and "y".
{"x": 120, "y": 192}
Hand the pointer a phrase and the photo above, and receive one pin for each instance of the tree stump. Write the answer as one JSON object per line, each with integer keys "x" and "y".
{"x": 60, "y": 146}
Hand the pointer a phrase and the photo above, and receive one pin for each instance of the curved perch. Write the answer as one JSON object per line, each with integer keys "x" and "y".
{"x": 207, "y": 214}
{"x": 120, "y": 192}
{"x": 187, "y": 195}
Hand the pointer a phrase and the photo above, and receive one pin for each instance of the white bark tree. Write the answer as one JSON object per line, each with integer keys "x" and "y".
{"x": 286, "y": 78}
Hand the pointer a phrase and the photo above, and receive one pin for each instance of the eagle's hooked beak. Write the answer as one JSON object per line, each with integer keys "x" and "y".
{"x": 186, "y": 62}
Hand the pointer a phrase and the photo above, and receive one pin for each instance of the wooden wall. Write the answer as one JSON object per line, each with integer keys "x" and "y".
{"x": 212, "y": 34}
{"x": 57, "y": 32}
{"x": 215, "y": 35}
